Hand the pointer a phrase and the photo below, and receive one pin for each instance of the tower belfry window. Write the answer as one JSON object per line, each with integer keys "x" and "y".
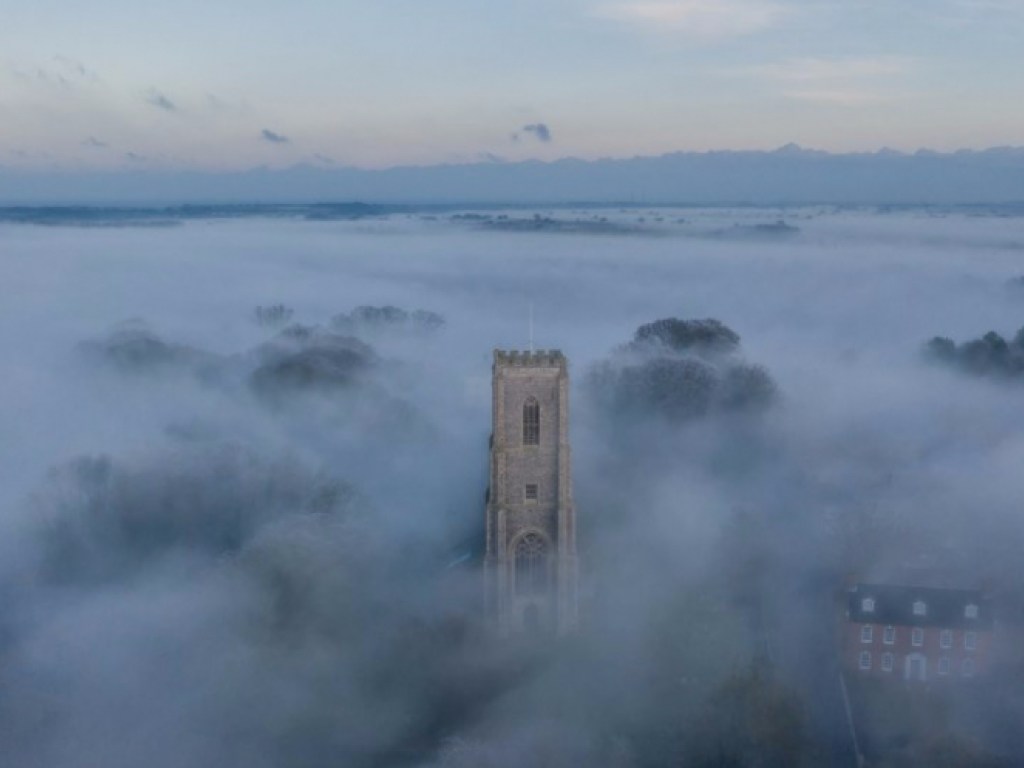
{"x": 531, "y": 422}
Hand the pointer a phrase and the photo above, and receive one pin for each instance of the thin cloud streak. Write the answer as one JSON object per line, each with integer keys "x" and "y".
{"x": 839, "y": 81}
{"x": 708, "y": 19}
{"x": 821, "y": 69}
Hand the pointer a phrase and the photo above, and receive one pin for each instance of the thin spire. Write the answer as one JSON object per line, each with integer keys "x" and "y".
{"x": 531, "y": 327}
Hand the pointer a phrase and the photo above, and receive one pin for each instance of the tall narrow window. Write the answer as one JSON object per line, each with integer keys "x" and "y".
{"x": 890, "y": 636}
{"x": 530, "y": 492}
{"x": 917, "y": 636}
{"x": 866, "y": 634}
{"x": 970, "y": 641}
{"x": 946, "y": 638}
{"x": 865, "y": 660}
{"x": 531, "y": 422}
{"x": 531, "y": 565}
{"x": 887, "y": 662}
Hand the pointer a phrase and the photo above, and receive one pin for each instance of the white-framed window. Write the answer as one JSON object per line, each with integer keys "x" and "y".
{"x": 865, "y": 660}
{"x": 944, "y": 665}
{"x": 920, "y": 609}
{"x": 970, "y": 640}
{"x": 867, "y": 633}
{"x": 917, "y": 637}
{"x": 971, "y": 611}
{"x": 967, "y": 668}
{"x": 889, "y": 636}
{"x": 867, "y": 605}
{"x": 887, "y": 662}
{"x": 946, "y": 638}
{"x": 530, "y": 492}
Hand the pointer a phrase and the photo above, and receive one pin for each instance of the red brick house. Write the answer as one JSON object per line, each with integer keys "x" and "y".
{"x": 918, "y": 634}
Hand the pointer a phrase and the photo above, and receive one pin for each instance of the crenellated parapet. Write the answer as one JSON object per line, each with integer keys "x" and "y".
{"x": 540, "y": 358}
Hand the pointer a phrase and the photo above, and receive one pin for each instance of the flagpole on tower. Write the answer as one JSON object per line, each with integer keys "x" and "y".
{"x": 531, "y": 327}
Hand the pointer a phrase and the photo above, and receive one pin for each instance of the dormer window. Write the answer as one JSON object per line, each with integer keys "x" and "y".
{"x": 867, "y": 605}
{"x": 971, "y": 611}
{"x": 920, "y": 609}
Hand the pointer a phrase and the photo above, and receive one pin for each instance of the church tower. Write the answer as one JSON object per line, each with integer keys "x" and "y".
{"x": 530, "y": 564}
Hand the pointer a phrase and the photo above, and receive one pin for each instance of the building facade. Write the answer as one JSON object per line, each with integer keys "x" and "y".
{"x": 917, "y": 634}
{"x": 530, "y": 564}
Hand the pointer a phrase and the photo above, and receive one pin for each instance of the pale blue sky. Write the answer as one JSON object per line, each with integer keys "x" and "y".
{"x": 232, "y": 84}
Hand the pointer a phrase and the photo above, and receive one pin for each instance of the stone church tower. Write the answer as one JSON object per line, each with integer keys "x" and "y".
{"x": 530, "y": 565}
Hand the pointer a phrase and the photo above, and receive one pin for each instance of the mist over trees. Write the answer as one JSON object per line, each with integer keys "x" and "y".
{"x": 990, "y": 355}
{"x": 227, "y": 542}
{"x": 680, "y": 369}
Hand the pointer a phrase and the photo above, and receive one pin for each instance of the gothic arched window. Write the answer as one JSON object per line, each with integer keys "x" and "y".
{"x": 531, "y": 565}
{"x": 531, "y": 422}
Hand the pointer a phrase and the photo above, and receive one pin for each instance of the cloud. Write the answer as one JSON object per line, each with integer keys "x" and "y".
{"x": 94, "y": 143}
{"x": 849, "y": 97}
{"x": 75, "y": 68}
{"x": 540, "y": 130}
{"x": 710, "y": 19}
{"x": 274, "y": 138}
{"x": 325, "y": 159}
{"x": 846, "y": 81}
{"x": 818, "y": 70}
{"x": 158, "y": 99}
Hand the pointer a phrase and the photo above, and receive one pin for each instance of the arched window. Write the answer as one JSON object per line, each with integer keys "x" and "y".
{"x": 531, "y": 422}
{"x": 531, "y": 565}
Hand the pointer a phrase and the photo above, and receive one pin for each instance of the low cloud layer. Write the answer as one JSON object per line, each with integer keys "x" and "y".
{"x": 244, "y": 465}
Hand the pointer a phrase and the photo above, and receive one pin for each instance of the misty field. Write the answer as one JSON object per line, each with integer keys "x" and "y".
{"x": 241, "y": 536}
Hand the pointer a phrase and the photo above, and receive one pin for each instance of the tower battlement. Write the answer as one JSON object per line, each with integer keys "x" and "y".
{"x": 547, "y": 358}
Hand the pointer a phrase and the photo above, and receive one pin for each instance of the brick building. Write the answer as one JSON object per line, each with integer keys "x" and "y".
{"x": 917, "y": 634}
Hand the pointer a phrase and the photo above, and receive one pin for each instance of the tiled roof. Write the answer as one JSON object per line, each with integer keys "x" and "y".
{"x": 942, "y": 607}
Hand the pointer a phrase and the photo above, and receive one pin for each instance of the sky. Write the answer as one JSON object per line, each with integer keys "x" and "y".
{"x": 235, "y": 85}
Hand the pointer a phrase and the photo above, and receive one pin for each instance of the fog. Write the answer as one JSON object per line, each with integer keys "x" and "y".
{"x": 227, "y": 541}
